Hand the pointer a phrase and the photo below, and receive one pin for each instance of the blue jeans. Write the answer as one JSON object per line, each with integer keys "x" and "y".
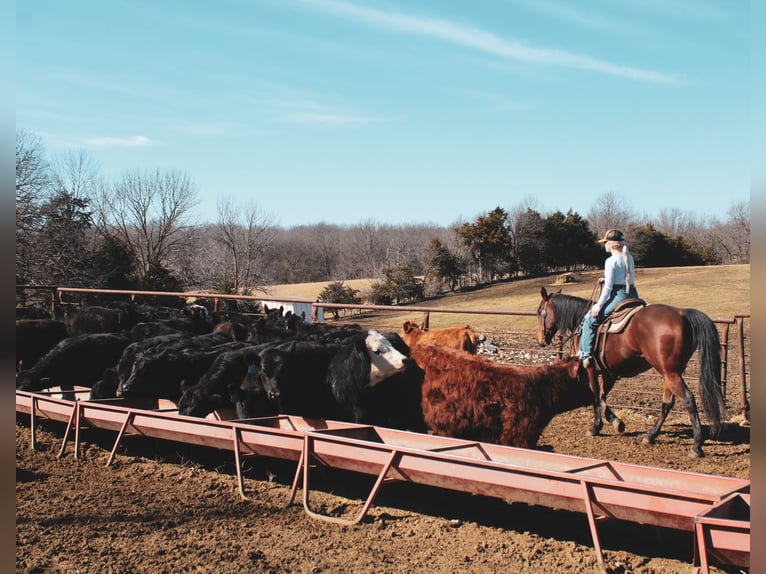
{"x": 590, "y": 323}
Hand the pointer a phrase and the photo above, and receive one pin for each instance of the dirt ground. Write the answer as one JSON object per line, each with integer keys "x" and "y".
{"x": 167, "y": 507}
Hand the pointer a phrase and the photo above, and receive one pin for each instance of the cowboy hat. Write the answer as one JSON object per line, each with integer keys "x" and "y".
{"x": 612, "y": 235}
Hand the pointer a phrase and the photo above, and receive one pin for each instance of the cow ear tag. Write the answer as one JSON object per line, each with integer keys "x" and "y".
{"x": 253, "y": 368}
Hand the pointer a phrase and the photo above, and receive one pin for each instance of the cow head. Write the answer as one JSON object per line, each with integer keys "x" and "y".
{"x": 273, "y": 362}
{"x": 385, "y": 360}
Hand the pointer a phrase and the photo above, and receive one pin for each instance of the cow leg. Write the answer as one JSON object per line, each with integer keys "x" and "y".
{"x": 598, "y": 422}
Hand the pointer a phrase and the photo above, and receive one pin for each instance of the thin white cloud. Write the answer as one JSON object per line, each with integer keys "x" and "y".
{"x": 219, "y": 129}
{"x": 573, "y": 13}
{"x": 488, "y": 43}
{"x": 133, "y": 141}
{"x": 309, "y": 112}
{"x": 497, "y": 102}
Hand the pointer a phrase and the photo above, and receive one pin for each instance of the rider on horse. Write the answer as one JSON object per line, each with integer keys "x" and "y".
{"x": 618, "y": 285}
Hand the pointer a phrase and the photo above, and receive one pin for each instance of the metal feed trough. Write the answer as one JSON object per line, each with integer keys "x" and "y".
{"x": 715, "y": 508}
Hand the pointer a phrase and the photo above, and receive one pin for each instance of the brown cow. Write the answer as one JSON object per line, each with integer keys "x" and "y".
{"x": 470, "y": 397}
{"x": 463, "y": 338}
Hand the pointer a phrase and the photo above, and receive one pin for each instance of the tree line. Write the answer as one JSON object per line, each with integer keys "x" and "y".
{"x": 76, "y": 229}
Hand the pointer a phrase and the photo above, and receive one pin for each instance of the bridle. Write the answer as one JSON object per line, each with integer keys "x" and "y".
{"x": 547, "y": 320}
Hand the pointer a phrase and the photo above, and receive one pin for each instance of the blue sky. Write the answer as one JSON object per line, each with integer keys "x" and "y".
{"x": 400, "y": 111}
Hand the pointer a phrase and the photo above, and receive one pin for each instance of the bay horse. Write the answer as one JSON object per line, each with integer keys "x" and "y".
{"x": 658, "y": 336}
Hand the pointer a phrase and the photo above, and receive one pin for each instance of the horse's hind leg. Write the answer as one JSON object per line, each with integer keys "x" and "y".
{"x": 651, "y": 436}
{"x": 694, "y": 419}
{"x": 668, "y": 400}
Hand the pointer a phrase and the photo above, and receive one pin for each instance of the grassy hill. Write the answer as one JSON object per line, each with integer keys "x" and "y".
{"x": 721, "y": 291}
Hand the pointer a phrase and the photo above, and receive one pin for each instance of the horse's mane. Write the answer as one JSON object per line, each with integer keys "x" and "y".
{"x": 569, "y": 311}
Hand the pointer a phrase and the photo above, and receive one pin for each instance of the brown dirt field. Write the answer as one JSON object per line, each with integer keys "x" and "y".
{"x": 165, "y": 507}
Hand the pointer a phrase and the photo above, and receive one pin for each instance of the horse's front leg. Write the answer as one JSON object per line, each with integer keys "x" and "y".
{"x": 612, "y": 418}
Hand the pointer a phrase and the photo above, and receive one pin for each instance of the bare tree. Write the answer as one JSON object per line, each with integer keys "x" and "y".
{"x": 611, "y": 210}
{"x": 731, "y": 239}
{"x": 148, "y": 211}
{"x": 244, "y": 233}
{"x": 77, "y": 174}
{"x": 363, "y": 252}
{"x": 32, "y": 186}
{"x": 32, "y": 175}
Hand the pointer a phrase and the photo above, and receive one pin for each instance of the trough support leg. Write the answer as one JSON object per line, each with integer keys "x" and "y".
{"x": 587, "y": 498}
{"x": 128, "y": 421}
{"x": 73, "y": 420}
{"x": 368, "y": 502}
{"x": 32, "y": 443}
{"x": 238, "y": 462}
{"x": 297, "y": 477}
{"x": 701, "y": 565}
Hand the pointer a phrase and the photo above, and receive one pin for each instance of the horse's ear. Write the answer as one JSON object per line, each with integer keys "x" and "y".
{"x": 543, "y": 292}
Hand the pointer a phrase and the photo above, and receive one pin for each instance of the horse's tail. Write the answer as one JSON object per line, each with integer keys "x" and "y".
{"x": 706, "y": 339}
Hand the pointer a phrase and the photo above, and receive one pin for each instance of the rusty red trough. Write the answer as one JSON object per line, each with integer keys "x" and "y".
{"x": 715, "y": 508}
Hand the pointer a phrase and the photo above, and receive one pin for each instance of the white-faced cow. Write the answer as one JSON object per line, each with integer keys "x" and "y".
{"x": 324, "y": 380}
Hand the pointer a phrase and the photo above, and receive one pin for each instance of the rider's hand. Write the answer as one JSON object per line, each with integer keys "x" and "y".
{"x": 594, "y": 311}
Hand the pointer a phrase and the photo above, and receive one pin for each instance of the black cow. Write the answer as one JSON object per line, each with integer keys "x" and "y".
{"x": 34, "y": 338}
{"x": 98, "y": 319}
{"x": 294, "y": 376}
{"x": 250, "y": 398}
{"x": 79, "y": 360}
{"x": 148, "y": 329}
{"x": 33, "y": 312}
{"x": 161, "y": 375}
{"x": 106, "y": 387}
{"x": 157, "y": 344}
{"x": 220, "y": 386}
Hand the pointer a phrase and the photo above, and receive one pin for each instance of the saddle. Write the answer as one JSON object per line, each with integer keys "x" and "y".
{"x": 616, "y": 323}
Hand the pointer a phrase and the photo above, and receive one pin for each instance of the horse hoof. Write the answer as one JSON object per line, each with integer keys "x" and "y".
{"x": 647, "y": 440}
{"x": 696, "y": 452}
{"x": 593, "y": 431}
{"x": 619, "y": 426}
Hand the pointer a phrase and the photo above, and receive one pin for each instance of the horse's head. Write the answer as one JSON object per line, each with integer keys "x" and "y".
{"x": 546, "y": 318}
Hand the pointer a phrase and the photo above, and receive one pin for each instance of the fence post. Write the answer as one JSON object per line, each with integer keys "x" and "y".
{"x": 742, "y": 374}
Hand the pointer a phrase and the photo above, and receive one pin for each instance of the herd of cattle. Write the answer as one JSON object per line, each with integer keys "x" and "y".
{"x": 419, "y": 380}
